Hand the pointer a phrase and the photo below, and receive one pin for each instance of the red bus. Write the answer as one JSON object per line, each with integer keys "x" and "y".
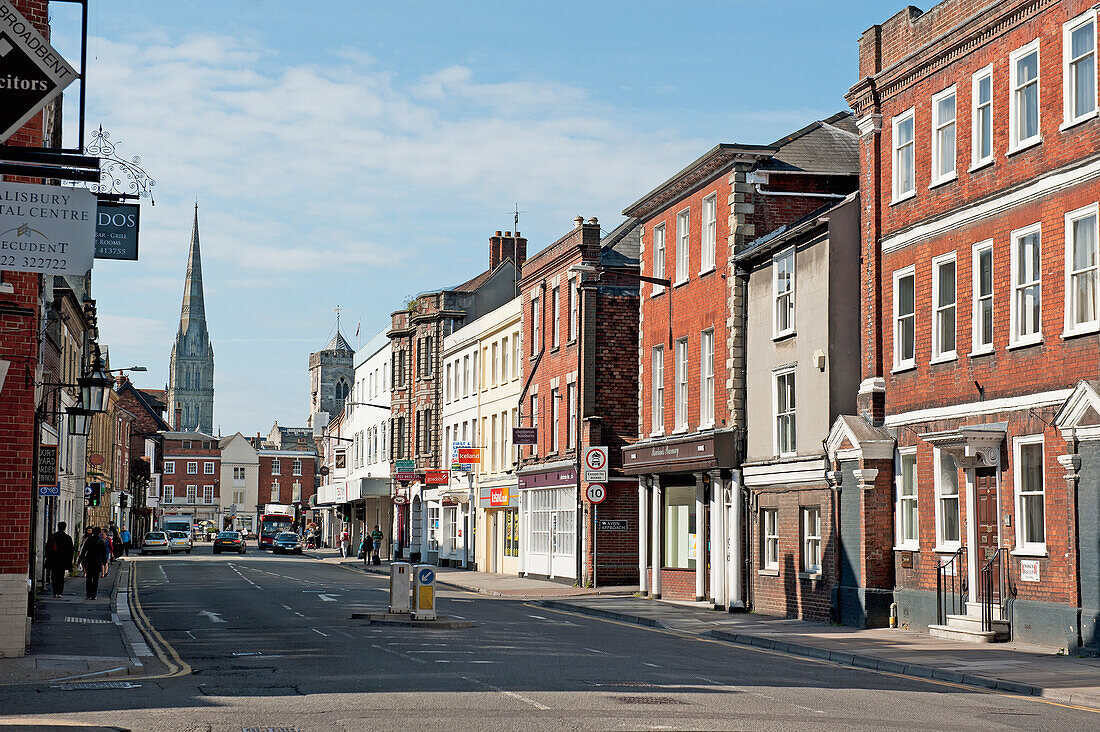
{"x": 270, "y": 525}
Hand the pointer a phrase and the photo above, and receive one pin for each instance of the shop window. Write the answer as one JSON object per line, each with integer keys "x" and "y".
{"x": 681, "y": 547}
{"x": 433, "y": 528}
{"x": 511, "y": 533}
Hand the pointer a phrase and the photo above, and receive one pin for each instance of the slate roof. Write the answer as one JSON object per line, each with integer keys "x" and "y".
{"x": 622, "y": 247}
{"x": 338, "y": 343}
{"x": 829, "y": 146}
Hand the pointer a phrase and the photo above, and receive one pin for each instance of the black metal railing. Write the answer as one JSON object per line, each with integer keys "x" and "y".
{"x": 951, "y": 586}
{"x": 994, "y": 585}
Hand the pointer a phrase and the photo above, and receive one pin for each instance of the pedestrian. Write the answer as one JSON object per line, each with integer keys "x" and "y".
{"x": 125, "y": 536}
{"x": 93, "y": 558}
{"x": 116, "y": 542}
{"x": 105, "y": 537}
{"x": 376, "y": 539}
{"x": 345, "y": 543}
{"x": 59, "y": 558}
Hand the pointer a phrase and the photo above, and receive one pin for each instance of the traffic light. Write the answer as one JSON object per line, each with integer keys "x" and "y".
{"x": 94, "y": 490}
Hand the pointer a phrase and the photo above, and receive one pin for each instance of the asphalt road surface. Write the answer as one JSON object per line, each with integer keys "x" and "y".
{"x": 271, "y": 645}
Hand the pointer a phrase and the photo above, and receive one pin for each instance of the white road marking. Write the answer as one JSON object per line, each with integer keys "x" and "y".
{"x": 595, "y": 650}
{"x": 299, "y": 614}
{"x": 540, "y": 617}
{"x": 328, "y": 598}
{"x": 288, "y": 607}
{"x": 213, "y": 617}
{"x": 191, "y": 634}
{"x": 434, "y": 651}
{"x": 337, "y": 630}
{"x": 234, "y": 568}
{"x": 482, "y": 661}
{"x": 653, "y": 665}
{"x": 512, "y": 694}
{"x": 441, "y": 660}
{"x": 319, "y": 632}
{"x": 414, "y": 659}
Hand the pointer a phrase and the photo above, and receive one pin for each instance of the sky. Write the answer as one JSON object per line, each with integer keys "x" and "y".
{"x": 351, "y": 154}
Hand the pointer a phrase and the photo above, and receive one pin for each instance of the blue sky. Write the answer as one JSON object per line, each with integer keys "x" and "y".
{"x": 353, "y": 153}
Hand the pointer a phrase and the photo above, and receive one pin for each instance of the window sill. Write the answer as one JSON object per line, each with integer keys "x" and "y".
{"x": 810, "y": 575}
{"x": 1033, "y": 553}
{"x": 944, "y": 181}
{"x": 903, "y": 369}
{"x": 570, "y": 342}
{"x": 984, "y": 351}
{"x": 681, "y": 283}
{"x": 1025, "y": 344}
{"x": 708, "y": 425}
{"x": 1024, "y": 146}
{"x": 981, "y": 164}
{"x": 1090, "y": 329}
{"x": 707, "y": 271}
{"x": 656, "y": 292}
{"x": 768, "y": 572}
{"x": 947, "y": 548}
{"x": 657, "y": 434}
{"x": 784, "y": 335}
{"x": 905, "y": 548}
{"x": 680, "y": 430}
{"x": 555, "y": 349}
{"x": 1070, "y": 124}
{"x": 945, "y": 358}
{"x": 904, "y": 197}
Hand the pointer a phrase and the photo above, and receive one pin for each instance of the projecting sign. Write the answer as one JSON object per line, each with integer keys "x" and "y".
{"x": 404, "y": 466}
{"x": 46, "y": 229}
{"x": 116, "y": 230}
{"x": 456, "y": 465}
{"x": 469, "y": 455}
{"x": 404, "y": 475}
{"x": 31, "y": 71}
{"x": 437, "y": 477}
{"x": 525, "y": 435}
{"x": 47, "y": 464}
{"x": 595, "y": 464}
{"x": 49, "y": 490}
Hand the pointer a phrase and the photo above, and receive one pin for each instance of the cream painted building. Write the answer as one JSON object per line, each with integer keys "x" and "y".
{"x": 240, "y": 481}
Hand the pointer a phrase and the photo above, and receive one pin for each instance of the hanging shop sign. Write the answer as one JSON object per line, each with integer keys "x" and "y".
{"x": 31, "y": 71}
{"x": 46, "y": 229}
{"x": 456, "y": 449}
{"x": 437, "y": 477}
{"x": 525, "y": 435}
{"x": 47, "y": 464}
{"x": 116, "y": 230}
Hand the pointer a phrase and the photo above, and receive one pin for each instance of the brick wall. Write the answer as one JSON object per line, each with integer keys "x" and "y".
{"x": 286, "y": 478}
{"x": 199, "y": 451}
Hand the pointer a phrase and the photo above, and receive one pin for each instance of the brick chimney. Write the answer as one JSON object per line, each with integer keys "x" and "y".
{"x": 507, "y": 246}
{"x": 178, "y": 417}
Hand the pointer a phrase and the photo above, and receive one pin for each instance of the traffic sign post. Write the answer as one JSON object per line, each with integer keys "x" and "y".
{"x": 423, "y": 592}
{"x": 595, "y": 464}
{"x": 595, "y": 493}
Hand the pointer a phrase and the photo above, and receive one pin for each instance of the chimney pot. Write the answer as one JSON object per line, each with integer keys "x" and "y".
{"x": 497, "y": 233}
{"x": 508, "y": 234}
{"x": 592, "y": 220}
{"x": 577, "y": 221}
{"x": 517, "y": 234}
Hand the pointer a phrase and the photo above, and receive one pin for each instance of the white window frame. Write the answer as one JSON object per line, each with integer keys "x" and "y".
{"x": 1016, "y": 143}
{"x": 571, "y": 415}
{"x": 790, "y": 416}
{"x": 977, "y": 347}
{"x": 683, "y": 246}
{"x": 208, "y": 468}
{"x": 899, "y": 363}
{"x": 660, "y": 252}
{"x": 902, "y": 541}
{"x": 192, "y": 494}
{"x": 1072, "y": 327}
{"x": 517, "y": 352}
{"x": 977, "y": 160}
{"x": 574, "y": 308}
{"x": 1070, "y": 118}
{"x": 811, "y": 539}
{"x": 555, "y": 424}
{"x": 169, "y": 467}
{"x": 939, "y": 177}
{"x": 657, "y": 376}
{"x": 897, "y": 194}
{"x": 681, "y": 393}
{"x": 941, "y": 544}
{"x": 706, "y": 378}
{"x": 169, "y": 494}
{"x": 555, "y": 299}
{"x": 297, "y": 466}
{"x": 1025, "y": 547}
{"x": 276, "y": 466}
{"x": 192, "y": 467}
{"x": 536, "y": 312}
{"x": 708, "y": 228}
{"x": 505, "y": 361}
{"x": 208, "y": 494}
{"x": 1015, "y": 339}
{"x": 769, "y": 539}
{"x": 940, "y": 309}
{"x": 783, "y": 300}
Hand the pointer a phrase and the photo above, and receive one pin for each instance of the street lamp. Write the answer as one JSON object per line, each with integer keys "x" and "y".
{"x": 80, "y": 420}
{"x": 95, "y": 387}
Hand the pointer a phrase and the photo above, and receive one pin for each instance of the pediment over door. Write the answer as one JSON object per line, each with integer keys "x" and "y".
{"x": 972, "y": 446}
{"x": 1079, "y": 416}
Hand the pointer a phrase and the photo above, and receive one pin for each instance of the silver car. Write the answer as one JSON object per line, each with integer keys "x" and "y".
{"x": 156, "y": 541}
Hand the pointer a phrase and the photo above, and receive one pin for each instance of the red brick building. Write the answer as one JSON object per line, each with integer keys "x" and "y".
{"x": 580, "y": 332}
{"x": 288, "y": 477}
{"x": 145, "y": 451}
{"x": 979, "y": 134}
{"x": 191, "y": 470}
{"x": 692, "y": 369}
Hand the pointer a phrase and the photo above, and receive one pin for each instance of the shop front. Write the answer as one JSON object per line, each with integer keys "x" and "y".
{"x": 690, "y": 517}
{"x": 498, "y": 527}
{"x": 548, "y": 520}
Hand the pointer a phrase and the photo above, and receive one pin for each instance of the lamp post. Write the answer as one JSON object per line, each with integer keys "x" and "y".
{"x": 583, "y": 268}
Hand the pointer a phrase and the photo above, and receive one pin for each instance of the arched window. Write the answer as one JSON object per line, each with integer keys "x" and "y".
{"x": 342, "y": 390}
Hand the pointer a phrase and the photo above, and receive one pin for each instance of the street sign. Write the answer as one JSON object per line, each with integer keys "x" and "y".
{"x": 611, "y": 525}
{"x": 456, "y": 464}
{"x": 469, "y": 455}
{"x": 595, "y": 464}
{"x": 595, "y": 493}
{"x": 426, "y": 575}
{"x": 402, "y": 475}
{"x": 116, "y": 230}
{"x": 498, "y": 496}
{"x": 47, "y": 464}
{"x": 525, "y": 435}
{"x": 33, "y": 72}
{"x": 87, "y": 491}
{"x": 404, "y": 466}
{"x": 49, "y": 490}
{"x": 46, "y": 229}
{"x": 437, "y": 477}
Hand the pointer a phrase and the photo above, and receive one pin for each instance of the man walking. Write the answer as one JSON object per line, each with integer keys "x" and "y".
{"x": 93, "y": 558}
{"x": 125, "y": 535}
{"x": 376, "y": 539}
{"x": 59, "y": 558}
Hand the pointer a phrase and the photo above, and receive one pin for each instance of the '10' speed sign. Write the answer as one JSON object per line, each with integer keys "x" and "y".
{"x": 596, "y": 493}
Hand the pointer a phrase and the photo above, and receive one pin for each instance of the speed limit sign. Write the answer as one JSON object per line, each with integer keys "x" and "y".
{"x": 596, "y": 493}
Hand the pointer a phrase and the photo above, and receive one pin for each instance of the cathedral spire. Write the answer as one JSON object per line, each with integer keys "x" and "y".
{"x": 193, "y": 306}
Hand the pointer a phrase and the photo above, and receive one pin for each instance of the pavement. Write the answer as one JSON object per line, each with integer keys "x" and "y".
{"x": 77, "y": 639}
{"x": 1012, "y": 667}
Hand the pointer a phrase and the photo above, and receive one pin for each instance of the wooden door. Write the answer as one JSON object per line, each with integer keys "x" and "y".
{"x": 988, "y": 515}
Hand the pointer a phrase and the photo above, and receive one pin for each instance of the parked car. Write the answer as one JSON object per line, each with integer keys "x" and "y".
{"x": 180, "y": 541}
{"x": 229, "y": 541}
{"x": 287, "y": 542}
{"x": 155, "y": 541}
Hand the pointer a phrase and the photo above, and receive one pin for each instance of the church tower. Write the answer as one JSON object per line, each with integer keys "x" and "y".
{"x": 331, "y": 374}
{"x": 191, "y": 371}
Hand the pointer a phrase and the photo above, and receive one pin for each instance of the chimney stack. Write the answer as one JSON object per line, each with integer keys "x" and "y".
{"x": 178, "y": 417}
{"x": 507, "y": 246}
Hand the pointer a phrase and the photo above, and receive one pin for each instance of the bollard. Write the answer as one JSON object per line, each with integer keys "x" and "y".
{"x": 399, "y": 587}
{"x": 424, "y": 592}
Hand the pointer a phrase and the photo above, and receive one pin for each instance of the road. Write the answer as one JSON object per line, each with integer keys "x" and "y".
{"x": 271, "y": 644}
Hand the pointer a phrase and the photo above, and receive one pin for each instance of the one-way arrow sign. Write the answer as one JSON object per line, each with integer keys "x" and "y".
{"x": 31, "y": 71}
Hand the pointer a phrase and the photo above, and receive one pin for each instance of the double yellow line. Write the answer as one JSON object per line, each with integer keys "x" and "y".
{"x": 164, "y": 650}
